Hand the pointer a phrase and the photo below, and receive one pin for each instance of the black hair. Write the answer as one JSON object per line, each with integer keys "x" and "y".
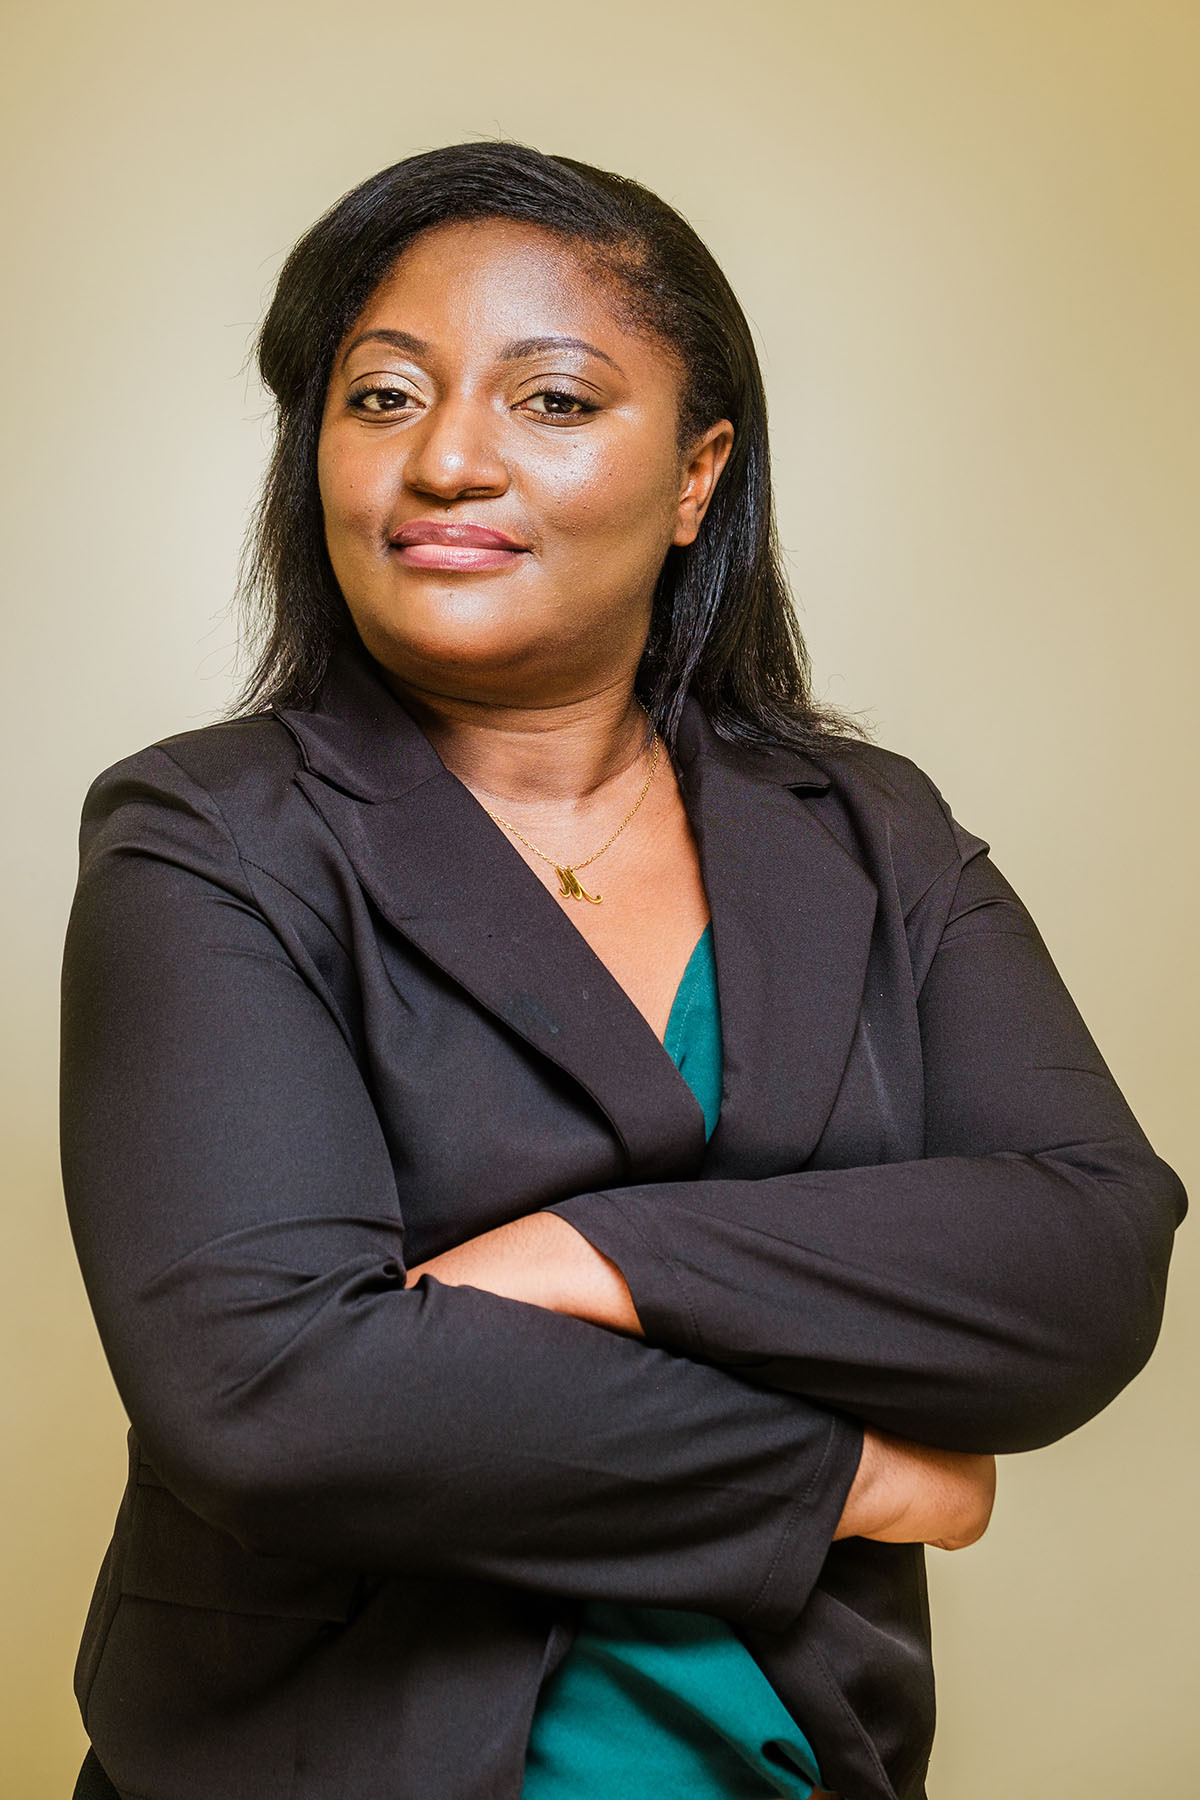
{"x": 722, "y": 623}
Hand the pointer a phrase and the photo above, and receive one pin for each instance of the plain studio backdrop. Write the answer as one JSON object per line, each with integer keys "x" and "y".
{"x": 965, "y": 236}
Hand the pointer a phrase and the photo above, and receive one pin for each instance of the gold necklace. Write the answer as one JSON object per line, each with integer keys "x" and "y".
{"x": 568, "y": 881}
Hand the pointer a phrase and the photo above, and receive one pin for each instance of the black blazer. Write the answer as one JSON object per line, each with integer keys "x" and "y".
{"x": 320, "y": 1020}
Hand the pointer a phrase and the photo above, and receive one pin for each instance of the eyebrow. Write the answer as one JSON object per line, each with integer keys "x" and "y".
{"x": 530, "y": 346}
{"x": 520, "y": 347}
{"x": 399, "y": 340}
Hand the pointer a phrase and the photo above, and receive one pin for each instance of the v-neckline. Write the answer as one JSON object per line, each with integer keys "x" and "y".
{"x": 682, "y": 998}
{"x": 792, "y": 912}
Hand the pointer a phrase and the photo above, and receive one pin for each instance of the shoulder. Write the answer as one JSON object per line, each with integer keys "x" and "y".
{"x": 878, "y": 778}
{"x": 207, "y": 781}
{"x": 220, "y": 758}
{"x": 888, "y": 811}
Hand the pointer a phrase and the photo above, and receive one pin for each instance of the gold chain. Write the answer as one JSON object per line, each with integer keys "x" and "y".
{"x": 568, "y": 881}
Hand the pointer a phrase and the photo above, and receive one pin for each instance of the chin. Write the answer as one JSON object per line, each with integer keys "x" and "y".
{"x": 470, "y": 665}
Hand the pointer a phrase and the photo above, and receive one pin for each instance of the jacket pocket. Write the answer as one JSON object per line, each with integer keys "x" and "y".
{"x": 174, "y": 1555}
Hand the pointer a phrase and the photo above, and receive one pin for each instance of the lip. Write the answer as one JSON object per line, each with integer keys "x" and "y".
{"x": 442, "y": 544}
{"x": 453, "y": 533}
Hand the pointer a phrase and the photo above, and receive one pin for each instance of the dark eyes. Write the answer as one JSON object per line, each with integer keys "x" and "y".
{"x": 380, "y": 400}
{"x": 555, "y": 403}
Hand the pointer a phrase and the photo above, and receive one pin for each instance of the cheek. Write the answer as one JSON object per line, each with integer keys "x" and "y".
{"x": 621, "y": 493}
{"x": 351, "y": 490}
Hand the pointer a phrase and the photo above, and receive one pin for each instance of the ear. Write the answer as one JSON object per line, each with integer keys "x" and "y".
{"x": 701, "y": 472}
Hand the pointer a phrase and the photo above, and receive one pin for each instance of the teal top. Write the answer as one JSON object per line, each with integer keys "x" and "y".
{"x": 650, "y": 1702}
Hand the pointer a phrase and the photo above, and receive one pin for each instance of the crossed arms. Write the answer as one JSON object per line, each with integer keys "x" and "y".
{"x": 235, "y": 1212}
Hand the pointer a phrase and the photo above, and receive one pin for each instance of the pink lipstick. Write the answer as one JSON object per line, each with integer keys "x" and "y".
{"x": 441, "y": 544}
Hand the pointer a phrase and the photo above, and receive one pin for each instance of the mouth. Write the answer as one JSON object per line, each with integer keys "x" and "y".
{"x": 439, "y": 544}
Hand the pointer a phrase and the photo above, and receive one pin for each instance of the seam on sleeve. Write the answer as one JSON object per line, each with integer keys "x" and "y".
{"x": 214, "y": 804}
{"x": 243, "y": 864}
{"x": 955, "y": 863}
{"x": 664, "y": 1263}
{"x": 248, "y": 863}
{"x": 1010, "y": 925}
{"x": 802, "y": 1503}
{"x": 955, "y": 860}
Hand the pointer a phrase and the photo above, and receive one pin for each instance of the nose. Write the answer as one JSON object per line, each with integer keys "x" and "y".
{"x": 454, "y": 452}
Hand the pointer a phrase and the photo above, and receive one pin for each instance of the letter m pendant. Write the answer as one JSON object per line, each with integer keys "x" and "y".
{"x": 568, "y": 885}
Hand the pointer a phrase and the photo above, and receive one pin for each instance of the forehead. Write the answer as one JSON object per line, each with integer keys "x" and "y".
{"x": 485, "y": 282}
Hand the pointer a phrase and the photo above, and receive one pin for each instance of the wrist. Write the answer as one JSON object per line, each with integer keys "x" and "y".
{"x": 543, "y": 1261}
{"x": 587, "y": 1284}
{"x": 907, "y": 1493}
{"x": 862, "y": 1512}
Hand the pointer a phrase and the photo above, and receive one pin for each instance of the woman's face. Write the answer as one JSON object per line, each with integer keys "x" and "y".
{"x": 499, "y": 470}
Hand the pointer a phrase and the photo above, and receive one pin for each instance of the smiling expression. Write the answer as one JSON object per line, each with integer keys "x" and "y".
{"x": 499, "y": 469}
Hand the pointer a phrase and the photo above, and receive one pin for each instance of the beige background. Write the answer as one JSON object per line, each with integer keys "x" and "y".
{"x": 965, "y": 234}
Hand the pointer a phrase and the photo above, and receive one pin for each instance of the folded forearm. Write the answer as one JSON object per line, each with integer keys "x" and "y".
{"x": 545, "y": 1262}
{"x": 445, "y": 1430}
{"x": 988, "y": 1303}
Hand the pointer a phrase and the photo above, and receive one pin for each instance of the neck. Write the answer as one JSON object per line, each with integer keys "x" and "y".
{"x": 559, "y": 755}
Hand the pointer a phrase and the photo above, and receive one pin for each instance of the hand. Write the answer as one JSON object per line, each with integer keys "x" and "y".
{"x": 543, "y": 1261}
{"x": 907, "y": 1493}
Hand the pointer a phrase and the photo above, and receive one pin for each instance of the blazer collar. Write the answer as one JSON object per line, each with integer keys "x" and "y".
{"x": 792, "y": 914}
{"x": 357, "y": 735}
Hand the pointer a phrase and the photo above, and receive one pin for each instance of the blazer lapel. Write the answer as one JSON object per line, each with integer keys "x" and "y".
{"x": 792, "y": 917}
{"x": 443, "y": 875}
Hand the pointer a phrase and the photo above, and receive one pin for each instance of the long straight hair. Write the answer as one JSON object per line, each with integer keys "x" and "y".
{"x": 722, "y": 624}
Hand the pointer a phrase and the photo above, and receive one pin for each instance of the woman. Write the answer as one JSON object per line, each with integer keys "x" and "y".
{"x": 579, "y": 1165}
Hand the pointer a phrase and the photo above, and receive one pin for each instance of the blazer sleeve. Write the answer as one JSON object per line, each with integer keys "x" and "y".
{"x": 236, "y": 1218}
{"x": 989, "y": 1296}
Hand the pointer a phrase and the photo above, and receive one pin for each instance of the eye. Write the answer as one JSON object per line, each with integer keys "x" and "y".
{"x": 557, "y": 404}
{"x": 378, "y": 400}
